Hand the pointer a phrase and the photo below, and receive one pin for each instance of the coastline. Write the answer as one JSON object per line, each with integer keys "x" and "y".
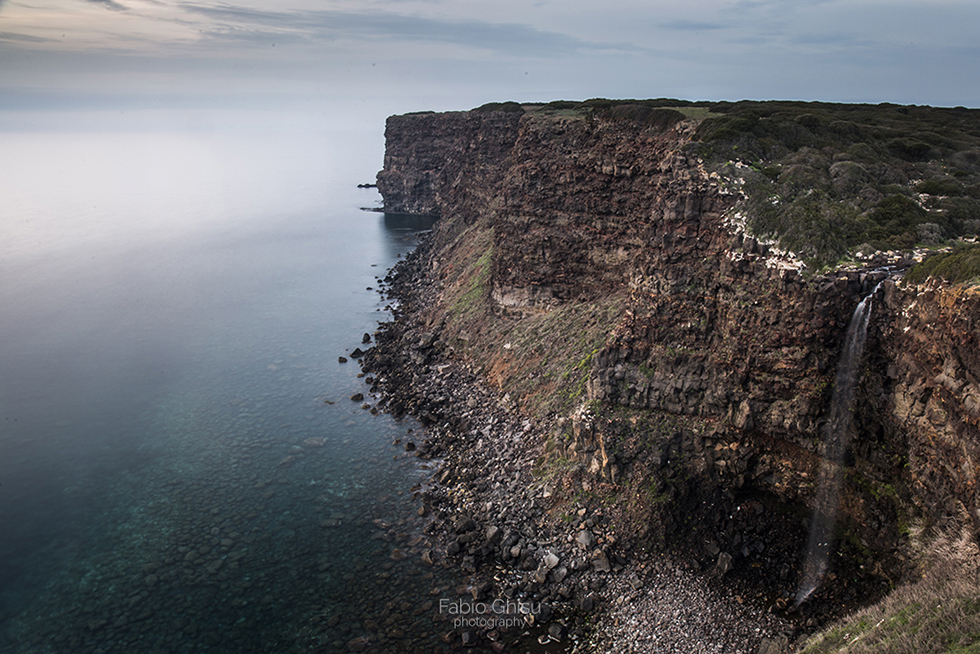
{"x": 492, "y": 517}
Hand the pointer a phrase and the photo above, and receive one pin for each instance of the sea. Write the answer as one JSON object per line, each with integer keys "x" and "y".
{"x": 182, "y": 467}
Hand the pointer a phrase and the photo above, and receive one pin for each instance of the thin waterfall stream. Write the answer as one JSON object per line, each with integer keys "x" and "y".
{"x": 836, "y": 440}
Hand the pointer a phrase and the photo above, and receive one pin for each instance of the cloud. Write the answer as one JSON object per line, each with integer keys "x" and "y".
{"x": 110, "y": 4}
{"x": 831, "y": 39}
{"x": 24, "y": 38}
{"x": 691, "y": 25}
{"x": 246, "y": 23}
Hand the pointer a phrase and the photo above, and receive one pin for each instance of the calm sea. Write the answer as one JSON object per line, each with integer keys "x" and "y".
{"x": 181, "y": 466}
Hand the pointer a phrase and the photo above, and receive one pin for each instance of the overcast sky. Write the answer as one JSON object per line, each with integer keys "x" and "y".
{"x": 405, "y": 55}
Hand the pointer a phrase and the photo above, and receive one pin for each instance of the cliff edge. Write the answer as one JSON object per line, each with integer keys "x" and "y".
{"x": 604, "y": 272}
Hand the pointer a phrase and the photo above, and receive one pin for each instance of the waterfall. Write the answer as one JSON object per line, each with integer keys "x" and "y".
{"x": 836, "y": 440}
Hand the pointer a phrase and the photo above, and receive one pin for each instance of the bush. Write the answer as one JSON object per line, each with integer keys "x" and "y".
{"x": 809, "y": 121}
{"x": 911, "y": 149}
{"x": 845, "y": 129}
{"x": 863, "y": 152}
{"x": 939, "y": 187}
{"x": 848, "y": 177}
{"x": 930, "y": 233}
{"x": 509, "y": 106}
{"x": 658, "y": 118}
{"x": 562, "y": 104}
{"x": 896, "y": 215}
{"x": 860, "y": 157}
{"x": 960, "y": 265}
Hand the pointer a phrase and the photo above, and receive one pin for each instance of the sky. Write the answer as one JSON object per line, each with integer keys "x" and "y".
{"x": 378, "y": 57}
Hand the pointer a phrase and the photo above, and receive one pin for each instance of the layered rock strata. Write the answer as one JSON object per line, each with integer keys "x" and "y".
{"x": 696, "y": 405}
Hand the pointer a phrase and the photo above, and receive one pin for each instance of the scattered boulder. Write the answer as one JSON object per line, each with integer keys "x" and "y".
{"x": 557, "y": 631}
{"x": 600, "y": 562}
{"x": 585, "y": 539}
{"x": 464, "y": 524}
{"x": 724, "y": 563}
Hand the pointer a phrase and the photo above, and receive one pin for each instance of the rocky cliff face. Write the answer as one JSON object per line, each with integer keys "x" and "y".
{"x": 458, "y": 162}
{"x": 923, "y": 396}
{"x": 597, "y": 274}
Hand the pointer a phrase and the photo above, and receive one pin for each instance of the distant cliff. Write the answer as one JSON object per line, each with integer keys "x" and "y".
{"x": 602, "y": 265}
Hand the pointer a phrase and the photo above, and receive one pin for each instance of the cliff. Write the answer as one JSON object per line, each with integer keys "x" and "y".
{"x": 597, "y": 267}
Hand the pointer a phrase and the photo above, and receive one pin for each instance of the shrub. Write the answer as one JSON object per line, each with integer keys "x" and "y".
{"x": 845, "y": 129}
{"x": 731, "y": 126}
{"x": 509, "y": 106}
{"x": 911, "y": 149}
{"x": 860, "y": 157}
{"x": 809, "y": 121}
{"x": 939, "y": 187}
{"x": 848, "y": 177}
{"x": 959, "y": 211}
{"x": 930, "y": 233}
{"x": 896, "y": 215}
{"x": 562, "y": 104}
{"x": 863, "y": 152}
{"x": 793, "y": 135}
{"x": 960, "y": 265}
{"x": 658, "y": 118}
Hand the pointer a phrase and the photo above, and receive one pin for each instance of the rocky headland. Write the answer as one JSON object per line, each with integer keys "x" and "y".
{"x": 626, "y": 380}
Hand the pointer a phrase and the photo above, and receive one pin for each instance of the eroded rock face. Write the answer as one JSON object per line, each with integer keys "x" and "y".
{"x": 718, "y": 332}
{"x": 439, "y": 162}
{"x": 924, "y": 388}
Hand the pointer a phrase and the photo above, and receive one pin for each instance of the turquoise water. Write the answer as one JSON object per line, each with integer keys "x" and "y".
{"x": 181, "y": 467}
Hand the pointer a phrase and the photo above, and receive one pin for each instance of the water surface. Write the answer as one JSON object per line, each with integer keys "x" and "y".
{"x": 181, "y": 467}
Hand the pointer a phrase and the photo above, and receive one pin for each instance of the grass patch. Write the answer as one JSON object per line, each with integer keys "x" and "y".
{"x": 962, "y": 265}
{"x": 940, "y": 612}
{"x": 475, "y": 286}
{"x": 542, "y": 358}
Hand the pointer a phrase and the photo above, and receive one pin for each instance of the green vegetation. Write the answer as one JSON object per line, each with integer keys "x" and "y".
{"x": 960, "y": 265}
{"x": 826, "y": 179}
{"x": 658, "y": 118}
{"x": 542, "y": 357}
{"x": 510, "y": 106}
{"x": 658, "y": 114}
{"x": 938, "y": 613}
{"x": 476, "y": 285}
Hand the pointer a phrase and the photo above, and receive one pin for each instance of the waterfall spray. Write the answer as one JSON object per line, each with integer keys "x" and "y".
{"x": 836, "y": 440}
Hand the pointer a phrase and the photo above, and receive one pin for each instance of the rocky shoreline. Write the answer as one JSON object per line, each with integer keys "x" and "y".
{"x": 580, "y": 584}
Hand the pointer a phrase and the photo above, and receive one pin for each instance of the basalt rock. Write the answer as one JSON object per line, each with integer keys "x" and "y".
{"x": 697, "y": 400}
